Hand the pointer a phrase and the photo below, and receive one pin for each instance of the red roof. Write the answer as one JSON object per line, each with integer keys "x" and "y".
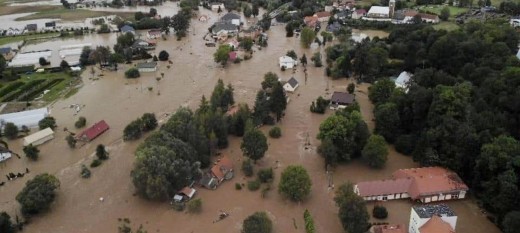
{"x": 383, "y": 187}
{"x": 431, "y": 180}
{"x": 436, "y": 225}
{"x": 232, "y": 55}
{"x": 223, "y": 166}
{"x": 361, "y": 11}
{"x": 94, "y": 131}
{"x": 322, "y": 14}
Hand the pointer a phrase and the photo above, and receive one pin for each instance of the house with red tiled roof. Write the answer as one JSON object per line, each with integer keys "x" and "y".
{"x": 432, "y": 219}
{"x": 311, "y": 21}
{"x": 426, "y": 185}
{"x": 223, "y": 169}
{"x": 323, "y": 16}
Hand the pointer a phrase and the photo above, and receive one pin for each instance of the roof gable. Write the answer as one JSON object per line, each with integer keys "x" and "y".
{"x": 436, "y": 225}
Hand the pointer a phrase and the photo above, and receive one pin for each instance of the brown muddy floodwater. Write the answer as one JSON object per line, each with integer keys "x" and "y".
{"x": 118, "y": 101}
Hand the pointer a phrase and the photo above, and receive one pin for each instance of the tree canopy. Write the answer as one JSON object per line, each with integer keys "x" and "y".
{"x": 353, "y": 212}
{"x": 254, "y": 144}
{"x": 258, "y": 222}
{"x": 295, "y": 183}
{"x": 375, "y": 151}
{"x": 38, "y": 194}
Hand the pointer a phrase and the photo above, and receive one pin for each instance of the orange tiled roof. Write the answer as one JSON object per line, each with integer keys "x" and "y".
{"x": 436, "y": 225}
{"x": 431, "y": 180}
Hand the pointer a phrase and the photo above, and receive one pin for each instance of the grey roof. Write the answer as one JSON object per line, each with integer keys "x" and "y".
{"x": 427, "y": 211}
{"x": 230, "y": 16}
{"x": 293, "y": 82}
{"x": 127, "y": 28}
{"x": 4, "y": 150}
{"x": 342, "y": 14}
{"x": 223, "y": 26}
{"x": 32, "y": 26}
{"x": 342, "y": 98}
{"x": 334, "y": 27}
{"x": 146, "y": 65}
{"x": 5, "y": 50}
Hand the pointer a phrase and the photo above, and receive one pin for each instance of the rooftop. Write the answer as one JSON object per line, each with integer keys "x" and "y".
{"x": 383, "y": 187}
{"x": 379, "y": 10}
{"x": 127, "y": 28}
{"x": 293, "y": 82}
{"x": 428, "y": 211}
{"x": 436, "y": 225}
{"x": 223, "y": 26}
{"x": 230, "y": 16}
{"x": 5, "y": 50}
{"x": 342, "y": 98}
{"x": 322, "y": 14}
{"x": 431, "y": 180}
{"x": 146, "y": 65}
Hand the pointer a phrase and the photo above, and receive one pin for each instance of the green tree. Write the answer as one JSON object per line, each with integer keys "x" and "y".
{"x": 43, "y": 61}
{"x": 6, "y": 226}
{"x": 180, "y": 22}
{"x": 47, "y": 122}
{"x": 255, "y": 10}
{"x": 64, "y": 65}
{"x": 307, "y": 37}
{"x": 353, "y": 212}
{"x": 328, "y": 151}
{"x": 275, "y": 132}
{"x": 195, "y": 206}
{"x": 261, "y": 109}
{"x": 81, "y": 122}
{"x": 132, "y": 73}
{"x": 258, "y": 222}
{"x": 101, "y": 152}
{"x": 289, "y": 30}
{"x": 266, "y": 175}
{"x": 292, "y": 54}
{"x": 163, "y": 55}
{"x": 375, "y": 151}
{"x": 379, "y": 212}
{"x": 247, "y": 167}
{"x": 222, "y": 54}
{"x": 254, "y": 145}
{"x": 278, "y": 102}
{"x": 445, "y": 13}
{"x": 316, "y": 58}
{"x": 38, "y": 194}
{"x": 309, "y": 222}
{"x": 387, "y": 121}
{"x": 31, "y": 152}
{"x": 222, "y": 97}
{"x": 71, "y": 141}
{"x": 295, "y": 183}
{"x": 149, "y": 122}
{"x": 511, "y": 222}
{"x": 381, "y": 91}
{"x": 247, "y": 11}
{"x": 10, "y": 130}
{"x": 247, "y": 43}
{"x": 303, "y": 60}
{"x": 133, "y": 130}
{"x": 351, "y": 88}
{"x": 270, "y": 80}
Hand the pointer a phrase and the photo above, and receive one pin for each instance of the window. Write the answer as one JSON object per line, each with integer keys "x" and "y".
{"x": 455, "y": 196}
{"x": 385, "y": 198}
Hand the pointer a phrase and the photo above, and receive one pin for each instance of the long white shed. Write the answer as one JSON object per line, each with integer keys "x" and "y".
{"x": 28, "y": 118}
{"x": 39, "y": 137}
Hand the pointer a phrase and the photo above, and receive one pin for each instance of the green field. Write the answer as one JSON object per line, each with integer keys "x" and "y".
{"x": 12, "y": 39}
{"x": 70, "y": 15}
{"x": 436, "y": 9}
{"x": 448, "y": 26}
{"x": 31, "y": 86}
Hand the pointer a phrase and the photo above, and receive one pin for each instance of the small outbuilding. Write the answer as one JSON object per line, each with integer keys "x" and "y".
{"x": 287, "y": 62}
{"x": 291, "y": 85}
{"x": 5, "y": 154}
{"x": 39, "y": 137}
{"x": 341, "y": 100}
{"x": 93, "y": 132}
{"x": 147, "y": 67}
{"x": 126, "y": 29}
{"x": 403, "y": 80}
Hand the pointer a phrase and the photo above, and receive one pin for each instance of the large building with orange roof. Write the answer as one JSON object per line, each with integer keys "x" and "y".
{"x": 432, "y": 219}
{"x": 426, "y": 184}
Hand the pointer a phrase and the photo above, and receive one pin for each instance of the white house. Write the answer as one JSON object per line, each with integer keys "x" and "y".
{"x": 379, "y": 12}
{"x": 147, "y": 66}
{"x": 5, "y": 154}
{"x": 403, "y": 80}
{"x": 291, "y": 85}
{"x": 216, "y": 5}
{"x": 13, "y": 32}
{"x": 28, "y": 118}
{"x": 39, "y": 137}
{"x": 432, "y": 218}
{"x": 287, "y": 62}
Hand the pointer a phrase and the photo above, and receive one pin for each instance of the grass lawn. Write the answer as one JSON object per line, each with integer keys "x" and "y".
{"x": 12, "y": 39}
{"x": 447, "y": 25}
{"x": 436, "y": 9}
{"x": 7, "y": 10}
{"x": 70, "y": 15}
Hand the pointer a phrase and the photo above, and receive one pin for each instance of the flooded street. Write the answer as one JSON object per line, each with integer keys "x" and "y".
{"x": 194, "y": 73}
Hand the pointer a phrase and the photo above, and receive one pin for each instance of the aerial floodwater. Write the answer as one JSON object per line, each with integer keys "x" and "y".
{"x": 193, "y": 73}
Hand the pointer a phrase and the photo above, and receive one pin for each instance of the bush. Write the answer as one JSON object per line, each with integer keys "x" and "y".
{"x": 85, "y": 172}
{"x": 38, "y": 194}
{"x": 132, "y": 73}
{"x": 101, "y": 152}
{"x": 10, "y": 130}
{"x": 309, "y": 222}
{"x": 259, "y": 222}
{"x": 31, "y": 152}
{"x": 132, "y": 131}
{"x": 247, "y": 168}
{"x": 149, "y": 122}
{"x": 320, "y": 105}
{"x": 275, "y": 132}
{"x": 47, "y": 122}
{"x": 95, "y": 163}
{"x": 81, "y": 122}
{"x": 253, "y": 185}
{"x": 238, "y": 186}
{"x": 265, "y": 190}
{"x": 71, "y": 141}
{"x": 379, "y": 212}
{"x": 195, "y": 206}
{"x": 164, "y": 56}
{"x": 265, "y": 175}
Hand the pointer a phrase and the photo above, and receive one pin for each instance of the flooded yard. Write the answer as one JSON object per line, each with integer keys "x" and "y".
{"x": 194, "y": 73}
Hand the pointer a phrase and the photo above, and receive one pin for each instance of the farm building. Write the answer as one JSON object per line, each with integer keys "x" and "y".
{"x": 39, "y": 137}
{"x": 432, "y": 219}
{"x": 28, "y": 118}
{"x": 291, "y": 85}
{"x": 422, "y": 184}
{"x": 30, "y": 58}
{"x": 5, "y": 154}
{"x": 287, "y": 62}
{"x": 341, "y": 100}
{"x": 93, "y": 132}
{"x": 147, "y": 66}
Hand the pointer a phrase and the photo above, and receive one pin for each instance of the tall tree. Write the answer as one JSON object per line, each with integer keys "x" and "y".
{"x": 375, "y": 151}
{"x": 307, "y": 37}
{"x": 353, "y": 212}
{"x": 295, "y": 183}
{"x": 38, "y": 194}
{"x": 258, "y": 222}
{"x": 278, "y": 100}
{"x": 254, "y": 145}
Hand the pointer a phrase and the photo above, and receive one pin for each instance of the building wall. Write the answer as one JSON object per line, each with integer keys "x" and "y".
{"x": 443, "y": 196}
{"x": 41, "y": 140}
{"x": 147, "y": 69}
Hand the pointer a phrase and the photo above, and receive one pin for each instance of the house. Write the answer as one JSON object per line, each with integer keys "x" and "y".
{"x": 50, "y": 24}
{"x": 208, "y": 181}
{"x": 5, "y": 154}
{"x": 31, "y": 27}
{"x": 334, "y": 27}
{"x": 287, "y": 62}
{"x": 378, "y": 12}
{"x": 323, "y": 16}
{"x": 420, "y": 184}
{"x": 29, "y": 118}
{"x": 427, "y": 18}
{"x": 147, "y": 66}
{"x": 359, "y": 13}
{"x": 223, "y": 170}
{"x": 224, "y": 28}
{"x": 291, "y": 85}
{"x": 39, "y": 137}
{"x": 311, "y": 21}
{"x": 399, "y": 228}
{"x": 140, "y": 44}
{"x": 341, "y": 100}
{"x": 127, "y": 28}
{"x": 154, "y": 33}
{"x": 403, "y": 80}
{"x": 217, "y": 5}
{"x": 432, "y": 219}
{"x": 93, "y": 132}
{"x": 185, "y": 194}
{"x": 13, "y": 32}
{"x": 231, "y": 18}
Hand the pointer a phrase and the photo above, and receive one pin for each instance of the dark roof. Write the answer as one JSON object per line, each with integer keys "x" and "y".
{"x": 146, "y": 65}
{"x": 293, "y": 82}
{"x": 94, "y": 131}
{"x": 5, "y": 50}
{"x": 342, "y": 14}
{"x": 334, "y": 27}
{"x": 342, "y": 98}
{"x": 32, "y": 27}
{"x": 50, "y": 24}
{"x": 127, "y": 28}
{"x": 230, "y": 16}
{"x": 427, "y": 211}
{"x": 223, "y": 26}
{"x": 4, "y": 150}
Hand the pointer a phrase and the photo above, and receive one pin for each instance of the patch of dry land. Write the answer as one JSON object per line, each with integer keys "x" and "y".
{"x": 118, "y": 101}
